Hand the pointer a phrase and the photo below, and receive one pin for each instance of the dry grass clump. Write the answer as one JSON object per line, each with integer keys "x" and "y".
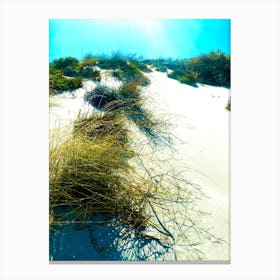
{"x": 90, "y": 174}
{"x": 95, "y": 172}
{"x": 130, "y": 100}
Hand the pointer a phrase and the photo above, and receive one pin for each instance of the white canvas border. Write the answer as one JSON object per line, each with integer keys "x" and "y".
{"x": 254, "y": 138}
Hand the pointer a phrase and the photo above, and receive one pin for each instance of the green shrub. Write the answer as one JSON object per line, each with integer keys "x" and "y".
{"x": 59, "y": 83}
{"x": 189, "y": 78}
{"x": 62, "y": 63}
{"x": 131, "y": 73}
{"x": 91, "y": 61}
{"x": 112, "y": 63}
{"x": 69, "y": 66}
{"x": 212, "y": 68}
{"x": 160, "y": 64}
{"x": 54, "y": 71}
{"x": 141, "y": 65}
{"x": 75, "y": 83}
{"x": 161, "y": 68}
{"x": 70, "y": 71}
{"x": 88, "y": 73}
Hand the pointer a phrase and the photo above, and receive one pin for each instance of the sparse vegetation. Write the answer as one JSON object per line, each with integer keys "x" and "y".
{"x": 211, "y": 69}
{"x": 67, "y": 74}
{"x": 130, "y": 73}
{"x": 89, "y": 73}
{"x": 161, "y": 68}
{"x": 161, "y": 64}
{"x": 100, "y": 169}
{"x": 189, "y": 78}
{"x": 124, "y": 69}
{"x": 141, "y": 65}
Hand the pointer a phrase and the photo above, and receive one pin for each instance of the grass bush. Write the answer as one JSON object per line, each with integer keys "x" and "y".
{"x": 90, "y": 174}
{"x": 125, "y": 68}
{"x": 61, "y": 69}
{"x": 88, "y": 73}
{"x": 63, "y": 63}
{"x": 131, "y": 73}
{"x": 161, "y": 64}
{"x": 115, "y": 61}
{"x": 189, "y": 78}
{"x": 59, "y": 83}
{"x": 212, "y": 68}
{"x": 89, "y": 61}
{"x": 106, "y": 98}
{"x": 141, "y": 65}
{"x": 101, "y": 95}
{"x": 130, "y": 101}
{"x": 161, "y": 68}
{"x": 71, "y": 71}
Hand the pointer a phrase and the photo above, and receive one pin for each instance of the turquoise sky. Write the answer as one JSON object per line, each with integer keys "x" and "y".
{"x": 178, "y": 38}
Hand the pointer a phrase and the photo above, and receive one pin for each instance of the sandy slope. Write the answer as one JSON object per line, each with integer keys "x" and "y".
{"x": 202, "y": 133}
{"x": 202, "y": 128}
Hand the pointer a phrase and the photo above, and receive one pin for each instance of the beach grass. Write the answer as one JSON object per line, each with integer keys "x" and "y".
{"x": 90, "y": 173}
{"x": 98, "y": 171}
{"x": 129, "y": 100}
{"x": 109, "y": 165}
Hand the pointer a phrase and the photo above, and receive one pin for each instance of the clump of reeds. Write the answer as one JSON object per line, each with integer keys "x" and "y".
{"x": 90, "y": 174}
{"x": 129, "y": 100}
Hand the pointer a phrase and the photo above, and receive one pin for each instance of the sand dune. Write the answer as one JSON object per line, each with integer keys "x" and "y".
{"x": 201, "y": 130}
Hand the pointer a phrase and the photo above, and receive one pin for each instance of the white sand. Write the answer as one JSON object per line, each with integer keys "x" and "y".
{"x": 65, "y": 107}
{"x": 202, "y": 126}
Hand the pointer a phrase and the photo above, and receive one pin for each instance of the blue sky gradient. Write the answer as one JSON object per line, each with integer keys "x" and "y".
{"x": 176, "y": 38}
